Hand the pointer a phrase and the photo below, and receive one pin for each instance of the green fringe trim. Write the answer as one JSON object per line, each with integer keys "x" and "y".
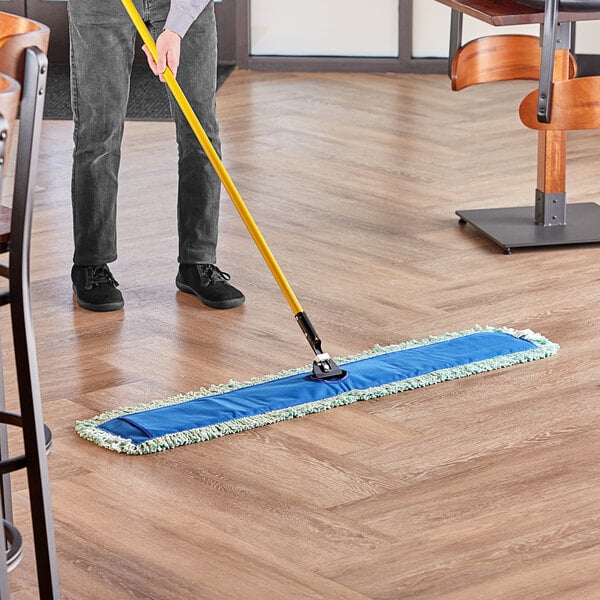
{"x": 88, "y": 429}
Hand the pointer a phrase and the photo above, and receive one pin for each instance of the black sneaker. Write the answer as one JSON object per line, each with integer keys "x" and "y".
{"x": 96, "y": 288}
{"x": 210, "y": 284}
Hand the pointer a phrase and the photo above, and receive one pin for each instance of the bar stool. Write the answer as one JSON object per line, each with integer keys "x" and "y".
{"x": 505, "y": 57}
{"x": 23, "y": 44}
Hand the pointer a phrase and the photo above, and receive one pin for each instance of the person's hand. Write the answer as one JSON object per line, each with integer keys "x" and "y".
{"x": 168, "y": 47}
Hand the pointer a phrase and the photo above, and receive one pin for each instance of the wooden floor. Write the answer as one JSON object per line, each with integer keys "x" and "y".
{"x": 482, "y": 488}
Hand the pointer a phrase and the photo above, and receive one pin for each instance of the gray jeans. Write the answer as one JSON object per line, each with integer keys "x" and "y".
{"x": 102, "y": 52}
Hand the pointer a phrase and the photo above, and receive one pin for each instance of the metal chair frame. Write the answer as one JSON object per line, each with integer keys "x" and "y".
{"x": 36, "y": 439}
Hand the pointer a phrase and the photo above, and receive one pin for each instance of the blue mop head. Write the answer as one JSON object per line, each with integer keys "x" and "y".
{"x": 234, "y": 407}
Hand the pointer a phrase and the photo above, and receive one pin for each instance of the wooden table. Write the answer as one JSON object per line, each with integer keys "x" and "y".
{"x": 544, "y": 224}
{"x": 508, "y": 12}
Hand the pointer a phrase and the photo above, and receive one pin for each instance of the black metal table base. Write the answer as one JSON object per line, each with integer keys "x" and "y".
{"x": 516, "y": 227}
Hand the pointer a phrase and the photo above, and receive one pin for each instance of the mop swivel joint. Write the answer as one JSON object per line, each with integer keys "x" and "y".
{"x": 324, "y": 367}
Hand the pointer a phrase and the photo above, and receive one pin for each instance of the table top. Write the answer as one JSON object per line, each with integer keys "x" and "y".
{"x": 509, "y": 12}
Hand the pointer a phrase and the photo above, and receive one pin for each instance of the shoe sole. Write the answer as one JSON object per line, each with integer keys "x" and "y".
{"x": 232, "y": 303}
{"x": 98, "y": 307}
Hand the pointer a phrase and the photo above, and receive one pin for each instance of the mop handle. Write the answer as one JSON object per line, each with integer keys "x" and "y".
{"x": 216, "y": 162}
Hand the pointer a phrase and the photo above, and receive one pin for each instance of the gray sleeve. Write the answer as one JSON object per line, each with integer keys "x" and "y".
{"x": 183, "y": 13}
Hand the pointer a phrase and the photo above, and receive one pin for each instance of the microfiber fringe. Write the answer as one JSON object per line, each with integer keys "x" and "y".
{"x": 88, "y": 429}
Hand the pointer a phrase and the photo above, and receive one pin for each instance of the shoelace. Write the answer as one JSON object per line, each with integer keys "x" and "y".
{"x": 98, "y": 276}
{"x": 213, "y": 274}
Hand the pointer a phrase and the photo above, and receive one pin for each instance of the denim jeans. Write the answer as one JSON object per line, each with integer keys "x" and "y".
{"x": 102, "y": 51}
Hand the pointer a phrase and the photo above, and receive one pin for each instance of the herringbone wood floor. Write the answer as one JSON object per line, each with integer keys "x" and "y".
{"x": 482, "y": 488}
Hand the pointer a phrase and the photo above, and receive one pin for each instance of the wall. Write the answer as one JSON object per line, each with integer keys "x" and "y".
{"x": 369, "y": 29}
{"x": 324, "y": 27}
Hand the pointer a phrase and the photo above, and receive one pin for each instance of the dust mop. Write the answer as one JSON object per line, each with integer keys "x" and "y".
{"x": 240, "y": 406}
{"x": 233, "y": 407}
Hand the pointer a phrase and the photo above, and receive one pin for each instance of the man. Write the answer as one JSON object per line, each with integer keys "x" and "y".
{"x": 102, "y": 50}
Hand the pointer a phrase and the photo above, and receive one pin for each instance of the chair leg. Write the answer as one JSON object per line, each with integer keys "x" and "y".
{"x": 22, "y": 326}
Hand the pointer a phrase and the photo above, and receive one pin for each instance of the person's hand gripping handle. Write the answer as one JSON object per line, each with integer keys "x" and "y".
{"x": 168, "y": 48}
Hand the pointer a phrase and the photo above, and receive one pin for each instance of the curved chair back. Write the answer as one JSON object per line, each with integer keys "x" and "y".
{"x": 16, "y": 34}
{"x": 499, "y": 58}
{"x": 575, "y": 105}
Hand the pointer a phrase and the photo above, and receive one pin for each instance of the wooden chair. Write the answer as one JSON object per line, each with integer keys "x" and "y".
{"x": 560, "y": 106}
{"x": 23, "y": 47}
{"x": 550, "y": 42}
{"x": 17, "y": 33}
{"x": 549, "y": 60}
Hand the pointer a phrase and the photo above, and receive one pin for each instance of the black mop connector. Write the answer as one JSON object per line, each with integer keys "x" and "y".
{"x": 324, "y": 367}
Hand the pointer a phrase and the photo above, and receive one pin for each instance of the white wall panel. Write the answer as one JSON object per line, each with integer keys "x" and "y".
{"x": 324, "y": 27}
{"x": 431, "y": 29}
{"x": 588, "y": 37}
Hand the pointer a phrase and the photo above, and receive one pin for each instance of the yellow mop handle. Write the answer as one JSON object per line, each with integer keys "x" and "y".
{"x": 215, "y": 161}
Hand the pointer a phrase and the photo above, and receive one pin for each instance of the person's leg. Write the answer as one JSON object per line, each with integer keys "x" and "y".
{"x": 102, "y": 41}
{"x": 199, "y": 185}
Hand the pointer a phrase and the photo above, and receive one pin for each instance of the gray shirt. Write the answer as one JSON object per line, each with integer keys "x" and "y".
{"x": 183, "y": 13}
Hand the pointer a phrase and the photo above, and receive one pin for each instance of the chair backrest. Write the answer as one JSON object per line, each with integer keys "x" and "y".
{"x": 499, "y": 58}
{"x": 561, "y": 105}
{"x": 16, "y": 34}
{"x": 570, "y": 10}
{"x": 575, "y": 105}
{"x": 23, "y": 47}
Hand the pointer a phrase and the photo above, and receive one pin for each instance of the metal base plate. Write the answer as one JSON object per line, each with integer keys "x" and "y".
{"x": 516, "y": 228}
